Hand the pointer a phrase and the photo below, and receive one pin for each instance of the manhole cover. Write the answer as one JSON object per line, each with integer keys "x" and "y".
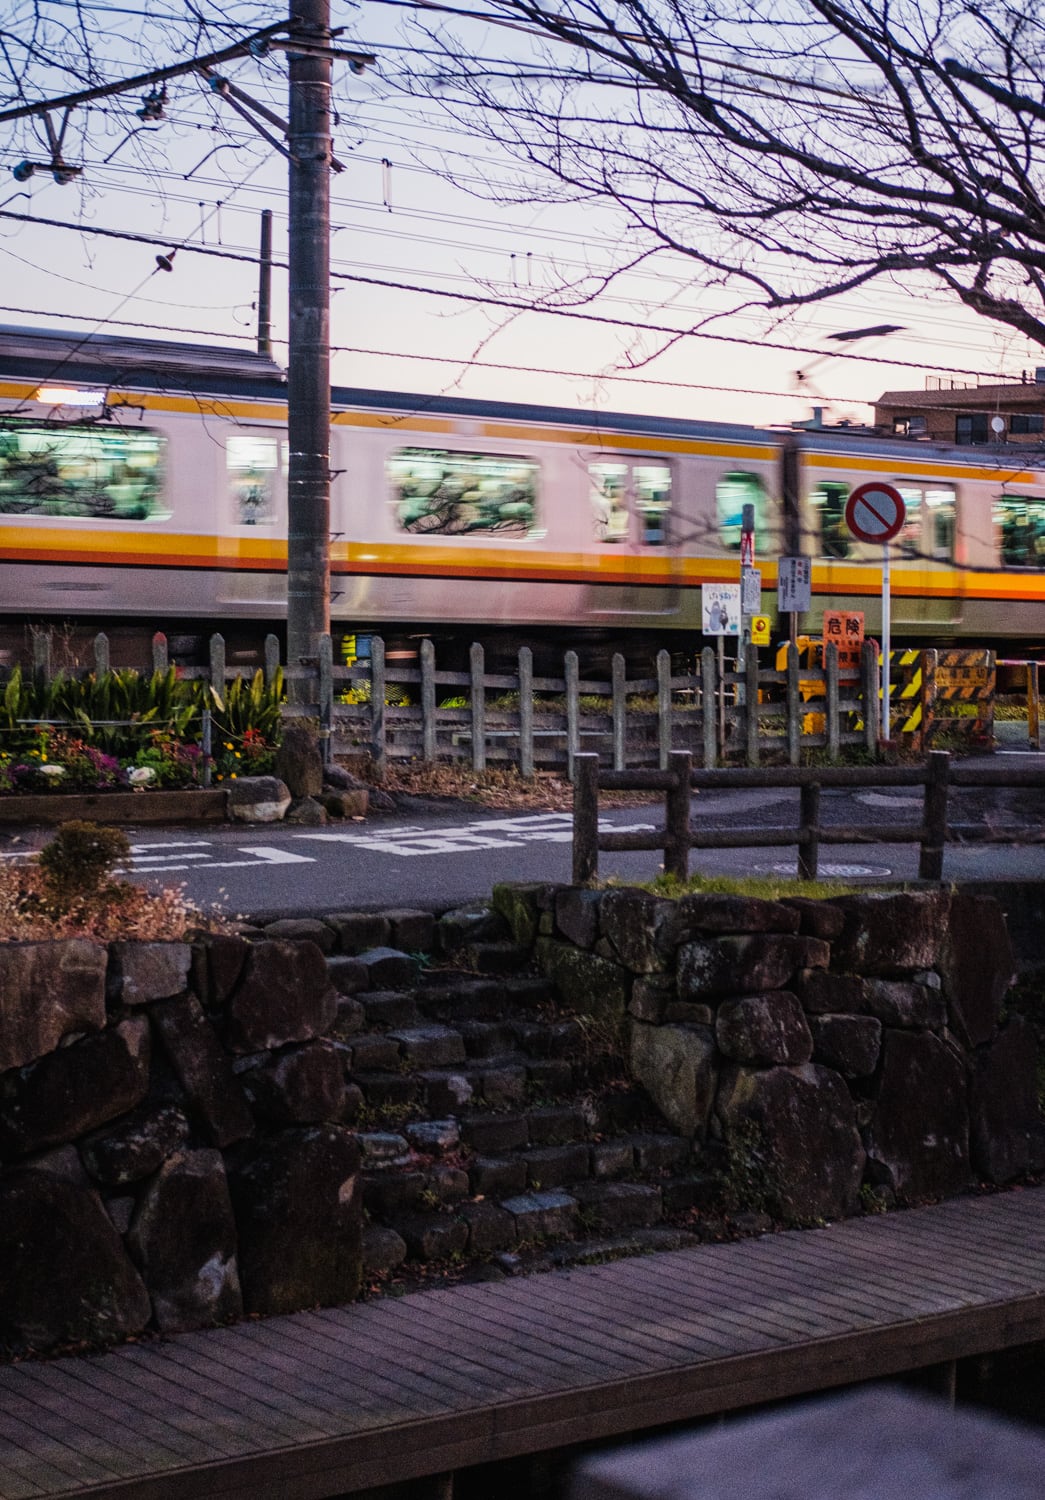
{"x": 843, "y": 872}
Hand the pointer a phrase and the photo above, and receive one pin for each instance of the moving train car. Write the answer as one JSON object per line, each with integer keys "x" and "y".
{"x": 145, "y": 482}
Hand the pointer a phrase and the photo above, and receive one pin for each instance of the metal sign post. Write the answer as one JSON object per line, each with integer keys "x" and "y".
{"x": 876, "y": 513}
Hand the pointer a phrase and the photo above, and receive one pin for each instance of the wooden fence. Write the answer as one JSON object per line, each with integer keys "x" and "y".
{"x": 680, "y": 833}
{"x": 543, "y": 723}
{"x": 401, "y": 712}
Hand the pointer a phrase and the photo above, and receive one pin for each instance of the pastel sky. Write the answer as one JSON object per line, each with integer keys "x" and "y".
{"x": 412, "y": 227}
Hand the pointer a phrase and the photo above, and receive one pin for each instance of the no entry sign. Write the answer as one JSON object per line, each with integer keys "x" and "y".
{"x": 875, "y": 512}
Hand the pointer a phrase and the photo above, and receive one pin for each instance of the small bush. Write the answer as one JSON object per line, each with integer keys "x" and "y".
{"x": 79, "y": 860}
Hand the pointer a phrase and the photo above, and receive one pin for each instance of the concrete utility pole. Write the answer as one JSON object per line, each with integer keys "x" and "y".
{"x": 308, "y": 371}
{"x": 265, "y": 285}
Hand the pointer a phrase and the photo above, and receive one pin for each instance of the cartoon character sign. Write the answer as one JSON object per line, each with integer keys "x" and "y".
{"x": 720, "y": 608}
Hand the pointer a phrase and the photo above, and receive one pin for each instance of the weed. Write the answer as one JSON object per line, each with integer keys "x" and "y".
{"x": 759, "y": 887}
{"x": 750, "y": 1182}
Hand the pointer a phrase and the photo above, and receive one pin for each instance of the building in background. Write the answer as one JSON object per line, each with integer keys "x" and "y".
{"x": 981, "y": 414}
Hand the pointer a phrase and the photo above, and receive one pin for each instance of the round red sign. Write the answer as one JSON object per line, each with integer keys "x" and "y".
{"x": 875, "y": 512}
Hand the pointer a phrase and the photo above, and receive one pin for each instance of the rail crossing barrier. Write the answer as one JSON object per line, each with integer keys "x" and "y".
{"x": 680, "y": 833}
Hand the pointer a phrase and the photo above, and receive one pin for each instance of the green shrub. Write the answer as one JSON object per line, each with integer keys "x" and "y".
{"x": 79, "y": 861}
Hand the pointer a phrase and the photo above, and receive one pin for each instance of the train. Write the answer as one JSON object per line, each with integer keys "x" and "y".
{"x": 143, "y": 486}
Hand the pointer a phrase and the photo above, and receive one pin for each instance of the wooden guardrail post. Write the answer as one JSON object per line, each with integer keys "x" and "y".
{"x": 664, "y": 706}
{"x": 676, "y": 816}
{"x": 809, "y": 831}
{"x": 1033, "y": 707}
{"x": 573, "y": 710}
{"x": 101, "y": 654}
{"x": 378, "y": 688}
{"x": 934, "y": 816}
{"x": 869, "y": 688}
{"x": 477, "y": 666}
{"x": 326, "y": 695}
{"x": 794, "y": 706}
{"x": 217, "y": 665}
{"x": 619, "y": 702}
{"x": 831, "y": 697}
{"x": 585, "y": 818}
{"x": 427, "y": 658}
{"x": 709, "y": 707}
{"x": 526, "y": 768}
{"x": 160, "y": 657}
{"x": 751, "y": 703}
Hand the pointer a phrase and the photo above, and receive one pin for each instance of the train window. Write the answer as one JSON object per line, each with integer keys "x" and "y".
{"x": 617, "y": 488}
{"x": 93, "y": 473}
{"x": 939, "y": 523}
{"x": 928, "y": 529}
{"x": 732, "y": 493}
{"x": 828, "y": 502}
{"x": 609, "y": 503}
{"x": 652, "y": 486}
{"x": 252, "y": 464}
{"x": 1019, "y": 527}
{"x": 437, "y": 493}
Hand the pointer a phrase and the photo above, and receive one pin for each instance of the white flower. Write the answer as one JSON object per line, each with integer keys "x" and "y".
{"x": 141, "y": 775}
{"x": 50, "y": 769}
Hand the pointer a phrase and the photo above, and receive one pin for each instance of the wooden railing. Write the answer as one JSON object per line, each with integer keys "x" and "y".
{"x": 681, "y": 833}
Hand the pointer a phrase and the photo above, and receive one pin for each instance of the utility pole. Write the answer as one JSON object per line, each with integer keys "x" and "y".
{"x": 265, "y": 285}
{"x": 308, "y": 372}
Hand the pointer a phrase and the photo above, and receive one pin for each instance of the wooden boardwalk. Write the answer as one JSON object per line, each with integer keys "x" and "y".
{"x": 321, "y": 1403}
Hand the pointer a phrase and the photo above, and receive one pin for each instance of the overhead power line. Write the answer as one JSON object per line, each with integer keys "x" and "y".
{"x": 510, "y": 305}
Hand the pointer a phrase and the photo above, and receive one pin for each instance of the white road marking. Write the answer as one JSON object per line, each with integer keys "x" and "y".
{"x": 146, "y": 862}
{"x": 489, "y": 833}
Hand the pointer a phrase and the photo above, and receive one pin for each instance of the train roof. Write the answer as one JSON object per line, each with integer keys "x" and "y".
{"x": 157, "y": 365}
{"x": 103, "y": 359}
{"x": 556, "y": 416}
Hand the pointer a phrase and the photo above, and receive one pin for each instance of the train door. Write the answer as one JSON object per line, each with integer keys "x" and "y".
{"x": 634, "y": 538}
{"x": 253, "y": 511}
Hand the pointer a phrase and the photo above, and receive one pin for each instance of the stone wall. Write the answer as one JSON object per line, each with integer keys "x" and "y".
{"x": 182, "y": 1125}
{"x": 843, "y": 1052}
{"x": 173, "y": 1140}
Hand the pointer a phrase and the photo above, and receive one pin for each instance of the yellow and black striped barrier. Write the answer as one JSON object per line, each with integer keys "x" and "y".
{"x": 910, "y": 694}
{"x": 963, "y": 679}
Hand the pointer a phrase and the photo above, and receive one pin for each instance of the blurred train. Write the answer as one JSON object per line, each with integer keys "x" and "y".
{"x": 143, "y": 486}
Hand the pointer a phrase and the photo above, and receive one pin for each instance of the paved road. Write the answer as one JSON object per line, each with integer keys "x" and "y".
{"x": 450, "y": 856}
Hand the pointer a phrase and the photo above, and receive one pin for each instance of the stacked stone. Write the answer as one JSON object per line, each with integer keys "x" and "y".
{"x": 849, "y": 1047}
{"x": 149, "y": 1174}
{"x": 191, "y": 1131}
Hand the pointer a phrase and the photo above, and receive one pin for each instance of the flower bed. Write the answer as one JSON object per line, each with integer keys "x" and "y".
{"x": 121, "y": 731}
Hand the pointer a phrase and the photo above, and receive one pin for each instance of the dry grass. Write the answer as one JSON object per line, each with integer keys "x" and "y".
{"x": 118, "y": 911}
{"x": 502, "y": 790}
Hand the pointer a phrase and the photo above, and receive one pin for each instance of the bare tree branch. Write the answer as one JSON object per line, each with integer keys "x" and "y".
{"x": 798, "y": 148}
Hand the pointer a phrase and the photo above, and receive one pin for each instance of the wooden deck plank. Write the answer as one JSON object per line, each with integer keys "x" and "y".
{"x": 296, "y": 1365}
{"x": 430, "y": 1339}
{"x": 793, "y": 1308}
{"x": 401, "y": 1365}
{"x": 323, "y": 1403}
